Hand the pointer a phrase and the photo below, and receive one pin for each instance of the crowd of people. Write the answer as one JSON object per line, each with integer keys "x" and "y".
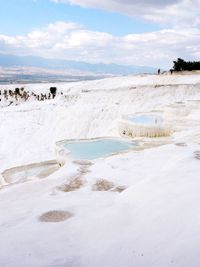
{"x": 21, "y": 95}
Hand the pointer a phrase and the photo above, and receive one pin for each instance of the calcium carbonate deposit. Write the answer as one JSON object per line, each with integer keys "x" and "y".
{"x": 139, "y": 207}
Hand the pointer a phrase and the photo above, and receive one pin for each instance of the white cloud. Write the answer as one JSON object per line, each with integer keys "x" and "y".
{"x": 72, "y": 41}
{"x": 167, "y": 12}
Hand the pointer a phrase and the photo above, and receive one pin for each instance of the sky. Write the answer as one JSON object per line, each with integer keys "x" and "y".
{"x": 129, "y": 32}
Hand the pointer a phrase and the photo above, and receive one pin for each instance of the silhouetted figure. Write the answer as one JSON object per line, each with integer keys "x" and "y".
{"x": 158, "y": 71}
{"x": 171, "y": 71}
{"x": 17, "y": 91}
{"x": 53, "y": 91}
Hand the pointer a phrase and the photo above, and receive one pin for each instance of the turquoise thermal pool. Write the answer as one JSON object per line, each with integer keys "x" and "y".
{"x": 145, "y": 119}
{"x": 93, "y": 149}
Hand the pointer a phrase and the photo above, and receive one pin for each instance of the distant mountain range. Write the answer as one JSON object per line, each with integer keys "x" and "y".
{"x": 59, "y": 64}
{"x": 38, "y": 69}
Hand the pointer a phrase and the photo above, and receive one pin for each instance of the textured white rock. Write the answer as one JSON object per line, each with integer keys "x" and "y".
{"x": 154, "y": 222}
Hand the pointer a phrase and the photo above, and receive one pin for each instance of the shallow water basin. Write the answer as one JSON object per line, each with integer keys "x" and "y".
{"x": 145, "y": 119}
{"x": 93, "y": 149}
{"x": 26, "y": 172}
